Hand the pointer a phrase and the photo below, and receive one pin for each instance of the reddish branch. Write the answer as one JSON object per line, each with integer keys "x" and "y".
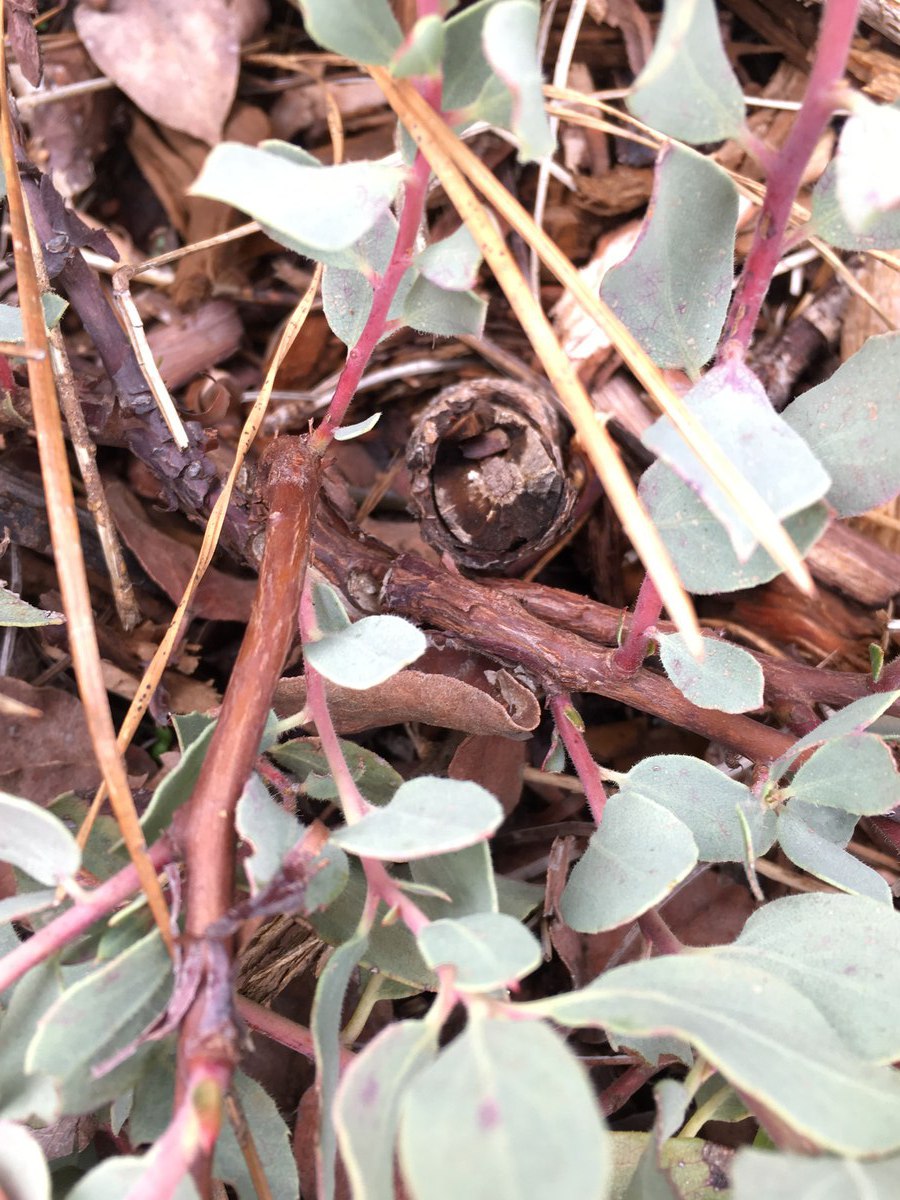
{"x": 401, "y": 258}
{"x": 647, "y": 610}
{"x": 290, "y": 478}
{"x": 786, "y": 172}
{"x": 577, "y": 749}
{"x": 80, "y": 917}
{"x": 556, "y": 659}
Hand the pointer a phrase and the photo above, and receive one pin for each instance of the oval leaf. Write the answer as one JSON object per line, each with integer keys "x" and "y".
{"x": 115, "y": 1178}
{"x": 729, "y": 678}
{"x": 324, "y": 207}
{"x": 688, "y": 89}
{"x": 852, "y": 423}
{"x": 488, "y": 950}
{"x": 451, "y": 263}
{"x": 510, "y": 37}
{"x": 673, "y": 289}
{"x": 815, "y": 852}
{"x": 767, "y": 1039}
{"x": 756, "y": 1173}
{"x": 882, "y": 231}
{"x": 856, "y": 773}
{"x": 632, "y": 862}
{"x": 699, "y": 544}
{"x": 367, "y": 652}
{"x": 96, "y": 1018}
{"x": 36, "y": 842}
{"x": 430, "y": 309}
{"x": 271, "y": 1138}
{"x": 866, "y": 163}
{"x": 426, "y": 816}
{"x": 24, "y": 1174}
{"x": 852, "y": 718}
{"x": 421, "y": 51}
{"x": 707, "y": 802}
{"x": 367, "y": 33}
{"x": 843, "y": 953}
{"x": 367, "y": 1105}
{"x": 325, "y": 1026}
{"x": 506, "y": 1110}
{"x": 729, "y": 402}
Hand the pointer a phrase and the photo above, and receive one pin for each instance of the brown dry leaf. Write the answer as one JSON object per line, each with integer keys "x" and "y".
{"x": 169, "y": 563}
{"x": 620, "y": 190}
{"x": 67, "y": 139}
{"x": 634, "y": 24}
{"x": 494, "y": 762}
{"x": 178, "y": 62}
{"x": 460, "y": 694}
{"x": 194, "y": 342}
{"x": 44, "y": 757}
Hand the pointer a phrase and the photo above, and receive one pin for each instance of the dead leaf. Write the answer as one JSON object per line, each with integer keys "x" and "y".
{"x": 178, "y": 62}
{"x": 169, "y": 563}
{"x": 45, "y": 757}
{"x": 475, "y": 701}
{"x": 196, "y": 341}
{"x": 494, "y": 762}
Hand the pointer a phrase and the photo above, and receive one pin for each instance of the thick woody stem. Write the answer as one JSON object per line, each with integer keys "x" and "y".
{"x": 290, "y": 474}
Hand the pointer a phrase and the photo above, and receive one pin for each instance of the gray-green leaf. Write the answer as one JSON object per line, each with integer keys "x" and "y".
{"x": 36, "y": 842}
{"x": 24, "y": 1174}
{"x": 729, "y": 678}
{"x": 729, "y": 402}
{"x": 367, "y": 652}
{"x": 367, "y": 1105}
{"x": 367, "y": 33}
{"x": 855, "y": 772}
{"x": 688, "y": 89}
{"x": 445, "y": 313}
{"x": 634, "y": 860}
{"x": 672, "y": 290}
{"x": 699, "y": 544}
{"x": 327, "y": 208}
{"x": 705, "y": 800}
{"x": 509, "y": 38}
{"x": 427, "y": 816}
{"x": 757, "y": 1173}
{"x": 96, "y": 1018}
{"x": 852, "y": 423}
{"x": 843, "y": 953}
{"x": 505, "y": 1110}
{"x": 488, "y": 950}
{"x": 767, "y": 1039}
{"x": 815, "y": 852}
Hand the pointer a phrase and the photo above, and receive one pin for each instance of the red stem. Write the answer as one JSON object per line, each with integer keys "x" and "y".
{"x": 835, "y": 35}
{"x": 191, "y": 1133}
{"x": 282, "y": 1030}
{"x": 381, "y": 887}
{"x": 585, "y": 767}
{"x": 647, "y": 611}
{"x": 102, "y": 900}
{"x": 385, "y": 289}
{"x": 658, "y": 933}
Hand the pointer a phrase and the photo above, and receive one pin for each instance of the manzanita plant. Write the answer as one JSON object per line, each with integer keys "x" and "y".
{"x": 795, "y": 1023}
